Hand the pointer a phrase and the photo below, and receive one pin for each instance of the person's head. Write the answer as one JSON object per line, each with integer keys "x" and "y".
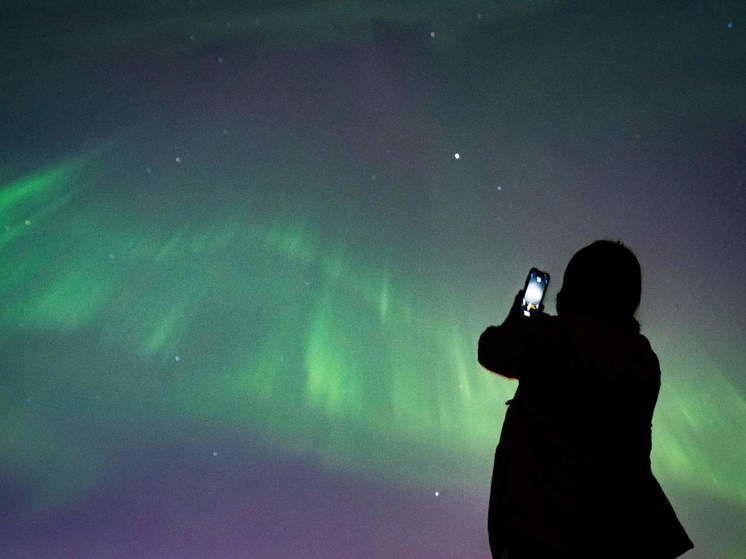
{"x": 603, "y": 280}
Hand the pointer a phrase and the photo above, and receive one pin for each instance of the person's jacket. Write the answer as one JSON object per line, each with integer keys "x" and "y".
{"x": 572, "y": 468}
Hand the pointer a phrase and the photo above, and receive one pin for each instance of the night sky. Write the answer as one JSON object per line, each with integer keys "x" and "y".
{"x": 248, "y": 249}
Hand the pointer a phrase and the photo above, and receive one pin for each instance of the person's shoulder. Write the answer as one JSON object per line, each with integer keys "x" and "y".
{"x": 648, "y": 355}
{"x": 611, "y": 351}
{"x": 644, "y": 341}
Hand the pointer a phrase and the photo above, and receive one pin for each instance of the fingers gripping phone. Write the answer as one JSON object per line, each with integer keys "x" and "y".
{"x": 533, "y": 292}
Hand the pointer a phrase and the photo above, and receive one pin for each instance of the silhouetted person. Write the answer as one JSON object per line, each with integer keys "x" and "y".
{"x": 572, "y": 476}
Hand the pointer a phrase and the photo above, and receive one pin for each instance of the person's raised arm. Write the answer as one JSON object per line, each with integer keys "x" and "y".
{"x": 504, "y": 349}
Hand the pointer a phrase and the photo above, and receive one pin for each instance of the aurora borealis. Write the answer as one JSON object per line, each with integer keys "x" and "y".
{"x": 248, "y": 249}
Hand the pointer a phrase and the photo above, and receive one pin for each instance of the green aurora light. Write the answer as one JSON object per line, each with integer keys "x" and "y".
{"x": 154, "y": 330}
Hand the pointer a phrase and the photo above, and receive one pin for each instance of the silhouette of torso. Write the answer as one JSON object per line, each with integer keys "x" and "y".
{"x": 572, "y": 472}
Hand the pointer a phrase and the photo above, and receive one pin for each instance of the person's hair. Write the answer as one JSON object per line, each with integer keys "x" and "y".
{"x": 603, "y": 280}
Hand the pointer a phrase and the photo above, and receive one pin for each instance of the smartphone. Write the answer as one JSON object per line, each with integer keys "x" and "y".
{"x": 534, "y": 290}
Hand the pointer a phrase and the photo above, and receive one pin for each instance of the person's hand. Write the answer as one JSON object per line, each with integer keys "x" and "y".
{"x": 515, "y": 314}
